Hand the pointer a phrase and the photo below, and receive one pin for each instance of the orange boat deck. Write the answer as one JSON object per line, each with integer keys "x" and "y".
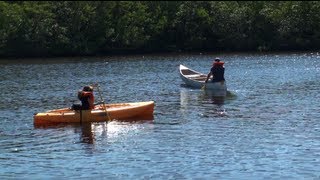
{"x": 120, "y": 111}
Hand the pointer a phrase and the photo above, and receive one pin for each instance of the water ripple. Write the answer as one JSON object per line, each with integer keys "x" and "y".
{"x": 267, "y": 127}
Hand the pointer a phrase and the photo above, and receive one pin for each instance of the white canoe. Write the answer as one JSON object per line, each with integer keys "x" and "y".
{"x": 197, "y": 80}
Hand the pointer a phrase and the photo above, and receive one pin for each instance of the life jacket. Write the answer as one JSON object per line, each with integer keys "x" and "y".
{"x": 218, "y": 71}
{"x": 220, "y": 63}
{"x": 87, "y": 99}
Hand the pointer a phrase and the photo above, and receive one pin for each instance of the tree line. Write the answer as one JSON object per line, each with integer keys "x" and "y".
{"x": 66, "y": 28}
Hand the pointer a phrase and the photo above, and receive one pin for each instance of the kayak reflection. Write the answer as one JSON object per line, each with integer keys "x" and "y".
{"x": 90, "y": 132}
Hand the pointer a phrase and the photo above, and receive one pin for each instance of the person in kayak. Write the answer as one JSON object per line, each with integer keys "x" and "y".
{"x": 87, "y": 99}
{"x": 217, "y": 71}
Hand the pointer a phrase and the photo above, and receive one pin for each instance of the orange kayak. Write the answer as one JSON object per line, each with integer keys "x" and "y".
{"x": 118, "y": 111}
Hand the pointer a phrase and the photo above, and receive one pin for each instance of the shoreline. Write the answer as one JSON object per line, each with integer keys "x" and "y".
{"x": 112, "y": 57}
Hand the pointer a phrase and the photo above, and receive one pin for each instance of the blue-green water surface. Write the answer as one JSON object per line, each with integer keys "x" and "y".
{"x": 268, "y": 127}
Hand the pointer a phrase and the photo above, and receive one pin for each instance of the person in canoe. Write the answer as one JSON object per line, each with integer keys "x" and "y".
{"x": 87, "y": 99}
{"x": 217, "y": 71}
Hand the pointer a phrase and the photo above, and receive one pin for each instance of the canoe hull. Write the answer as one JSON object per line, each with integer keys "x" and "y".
{"x": 120, "y": 111}
{"x": 197, "y": 80}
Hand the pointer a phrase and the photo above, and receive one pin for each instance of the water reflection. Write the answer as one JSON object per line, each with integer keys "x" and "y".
{"x": 216, "y": 98}
{"x": 215, "y": 104}
{"x": 90, "y": 133}
{"x": 205, "y": 102}
{"x": 188, "y": 96}
{"x": 213, "y": 97}
{"x": 87, "y": 133}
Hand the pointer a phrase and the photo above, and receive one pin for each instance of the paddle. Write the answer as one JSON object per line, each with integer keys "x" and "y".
{"x": 104, "y": 105}
{"x": 205, "y": 83}
{"x": 204, "y": 86}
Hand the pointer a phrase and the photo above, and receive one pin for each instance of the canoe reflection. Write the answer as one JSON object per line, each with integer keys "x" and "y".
{"x": 188, "y": 97}
{"x": 217, "y": 98}
{"x": 213, "y": 97}
{"x": 204, "y": 103}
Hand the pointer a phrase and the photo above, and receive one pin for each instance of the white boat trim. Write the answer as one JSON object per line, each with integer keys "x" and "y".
{"x": 196, "y": 79}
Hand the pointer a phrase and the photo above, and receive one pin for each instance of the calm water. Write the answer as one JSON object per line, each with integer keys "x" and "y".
{"x": 268, "y": 128}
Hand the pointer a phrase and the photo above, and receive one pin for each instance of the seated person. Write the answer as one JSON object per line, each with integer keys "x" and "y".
{"x": 87, "y": 99}
{"x": 217, "y": 71}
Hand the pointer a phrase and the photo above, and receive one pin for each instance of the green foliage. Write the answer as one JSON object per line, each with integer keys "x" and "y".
{"x": 59, "y": 28}
{"x": 10, "y": 20}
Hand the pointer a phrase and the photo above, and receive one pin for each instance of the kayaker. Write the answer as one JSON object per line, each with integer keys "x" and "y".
{"x": 217, "y": 71}
{"x": 86, "y": 97}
